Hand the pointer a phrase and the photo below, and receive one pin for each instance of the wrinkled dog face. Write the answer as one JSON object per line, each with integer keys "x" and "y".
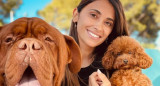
{"x": 32, "y": 52}
{"x": 125, "y": 52}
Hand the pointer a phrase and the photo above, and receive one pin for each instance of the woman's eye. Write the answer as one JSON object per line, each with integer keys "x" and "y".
{"x": 108, "y": 23}
{"x": 94, "y": 15}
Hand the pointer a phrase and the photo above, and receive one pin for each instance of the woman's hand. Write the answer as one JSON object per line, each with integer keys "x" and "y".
{"x": 98, "y": 79}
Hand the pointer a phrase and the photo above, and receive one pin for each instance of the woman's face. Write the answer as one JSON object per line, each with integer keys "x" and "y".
{"x": 94, "y": 23}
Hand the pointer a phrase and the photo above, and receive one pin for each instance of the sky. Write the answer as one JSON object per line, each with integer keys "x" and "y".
{"x": 29, "y": 8}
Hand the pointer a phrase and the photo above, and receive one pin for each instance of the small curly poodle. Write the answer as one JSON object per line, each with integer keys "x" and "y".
{"x": 127, "y": 57}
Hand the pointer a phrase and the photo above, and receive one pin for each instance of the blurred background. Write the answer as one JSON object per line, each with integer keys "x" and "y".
{"x": 143, "y": 17}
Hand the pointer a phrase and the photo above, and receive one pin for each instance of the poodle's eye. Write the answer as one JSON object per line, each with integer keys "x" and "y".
{"x": 129, "y": 52}
{"x": 118, "y": 54}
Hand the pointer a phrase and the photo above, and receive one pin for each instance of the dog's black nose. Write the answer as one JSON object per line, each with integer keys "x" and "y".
{"x": 125, "y": 61}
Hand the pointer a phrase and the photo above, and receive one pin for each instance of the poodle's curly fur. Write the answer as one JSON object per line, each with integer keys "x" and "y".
{"x": 127, "y": 57}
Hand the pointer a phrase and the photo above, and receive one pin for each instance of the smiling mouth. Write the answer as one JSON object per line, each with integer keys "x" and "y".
{"x": 92, "y": 35}
{"x": 28, "y": 79}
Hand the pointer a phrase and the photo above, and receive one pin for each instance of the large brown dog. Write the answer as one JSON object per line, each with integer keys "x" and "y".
{"x": 34, "y": 53}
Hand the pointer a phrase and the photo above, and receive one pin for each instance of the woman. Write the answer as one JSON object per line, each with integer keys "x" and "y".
{"x": 94, "y": 25}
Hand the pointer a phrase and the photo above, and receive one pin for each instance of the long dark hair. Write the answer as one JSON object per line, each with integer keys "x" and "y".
{"x": 119, "y": 29}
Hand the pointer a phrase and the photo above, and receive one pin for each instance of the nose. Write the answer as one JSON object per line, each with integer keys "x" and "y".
{"x": 30, "y": 45}
{"x": 98, "y": 25}
{"x": 125, "y": 61}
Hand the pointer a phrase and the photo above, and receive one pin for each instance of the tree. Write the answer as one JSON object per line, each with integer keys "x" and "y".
{"x": 143, "y": 16}
{"x": 6, "y": 6}
{"x": 59, "y": 13}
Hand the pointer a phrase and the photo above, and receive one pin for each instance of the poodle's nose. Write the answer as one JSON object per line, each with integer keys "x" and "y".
{"x": 125, "y": 61}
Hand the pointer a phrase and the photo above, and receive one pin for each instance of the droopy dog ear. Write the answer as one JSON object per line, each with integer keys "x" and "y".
{"x": 0, "y": 28}
{"x": 1, "y": 78}
{"x": 144, "y": 60}
{"x": 108, "y": 58}
{"x": 74, "y": 53}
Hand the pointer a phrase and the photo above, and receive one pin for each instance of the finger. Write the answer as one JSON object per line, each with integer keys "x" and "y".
{"x": 93, "y": 79}
{"x": 99, "y": 83}
{"x": 102, "y": 77}
{"x": 104, "y": 80}
{"x": 99, "y": 72}
{"x": 94, "y": 76}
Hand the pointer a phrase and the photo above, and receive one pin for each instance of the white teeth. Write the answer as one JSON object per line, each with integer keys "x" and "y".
{"x": 93, "y": 35}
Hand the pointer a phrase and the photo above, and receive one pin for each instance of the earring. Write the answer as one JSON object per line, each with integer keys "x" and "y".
{"x": 75, "y": 25}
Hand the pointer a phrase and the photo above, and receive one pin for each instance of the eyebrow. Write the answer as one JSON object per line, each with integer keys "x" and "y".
{"x": 110, "y": 19}
{"x": 100, "y": 14}
{"x": 96, "y": 11}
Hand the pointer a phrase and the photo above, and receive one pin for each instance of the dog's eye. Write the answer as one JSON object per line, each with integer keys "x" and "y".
{"x": 118, "y": 54}
{"x": 112, "y": 53}
{"x": 48, "y": 39}
{"x": 9, "y": 39}
{"x": 3, "y": 75}
{"x": 129, "y": 52}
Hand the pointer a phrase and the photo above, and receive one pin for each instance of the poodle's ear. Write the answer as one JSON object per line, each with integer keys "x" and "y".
{"x": 107, "y": 60}
{"x": 144, "y": 60}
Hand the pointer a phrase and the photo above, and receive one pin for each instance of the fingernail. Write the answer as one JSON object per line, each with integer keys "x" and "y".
{"x": 98, "y": 71}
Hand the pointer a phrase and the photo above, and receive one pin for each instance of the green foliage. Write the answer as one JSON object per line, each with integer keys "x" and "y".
{"x": 59, "y": 12}
{"x": 0, "y": 24}
{"x": 148, "y": 45}
{"x": 6, "y": 6}
{"x": 143, "y": 16}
